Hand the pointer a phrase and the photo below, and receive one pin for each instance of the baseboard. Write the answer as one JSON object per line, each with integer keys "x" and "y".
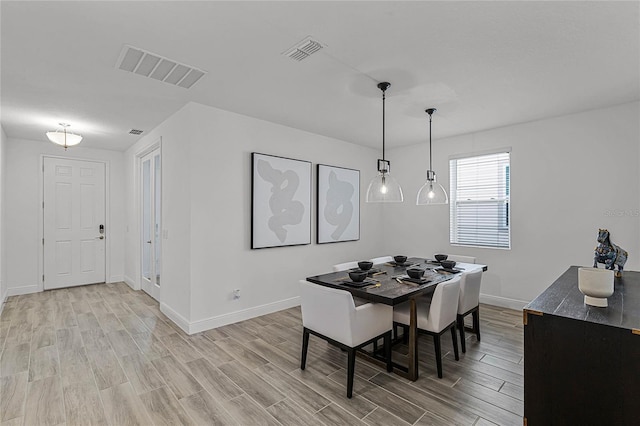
{"x": 180, "y": 321}
{"x": 503, "y": 302}
{"x": 245, "y": 314}
{"x": 116, "y": 278}
{"x": 130, "y": 282}
{"x": 3, "y": 298}
{"x": 17, "y": 291}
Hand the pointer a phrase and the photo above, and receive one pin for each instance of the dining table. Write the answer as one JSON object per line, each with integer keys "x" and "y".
{"x": 388, "y": 283}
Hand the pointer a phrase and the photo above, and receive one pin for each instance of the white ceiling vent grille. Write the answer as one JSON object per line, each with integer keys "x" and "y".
{"x": 304, "y": 49}
{"x": 135, "y": 132}
{"x": 147, "y": 64}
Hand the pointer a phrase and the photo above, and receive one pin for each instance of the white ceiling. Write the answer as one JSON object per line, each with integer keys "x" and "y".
{"x": 482, "y": 64}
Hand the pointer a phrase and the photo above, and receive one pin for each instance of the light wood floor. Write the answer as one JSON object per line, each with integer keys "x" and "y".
{"x": 105, "y": 354}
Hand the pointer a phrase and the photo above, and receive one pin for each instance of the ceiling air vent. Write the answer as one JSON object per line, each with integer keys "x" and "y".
{"x": 135, "y": 132}
{"x": 304, "y": 49}
{"x": 147, "y": 64}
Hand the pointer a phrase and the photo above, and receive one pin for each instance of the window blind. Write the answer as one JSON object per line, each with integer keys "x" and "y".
{"x": 480, "y": 191}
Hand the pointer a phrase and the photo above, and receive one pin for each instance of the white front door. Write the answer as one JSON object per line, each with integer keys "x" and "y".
{"x": 150, "y": 169}
{"x": 74, "y": 222}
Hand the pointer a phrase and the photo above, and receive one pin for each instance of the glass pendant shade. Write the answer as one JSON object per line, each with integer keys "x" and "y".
{"x": 64, "y": 138}
{"x": 384, "y": 189}
{"x": 431, "y": 192}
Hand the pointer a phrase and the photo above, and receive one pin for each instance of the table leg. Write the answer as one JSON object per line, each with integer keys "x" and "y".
{"x": 413, "y": 341}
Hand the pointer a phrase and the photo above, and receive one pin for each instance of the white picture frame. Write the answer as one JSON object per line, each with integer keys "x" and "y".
{"x": 280, "y": 201}
{"x": 338, "y": 204}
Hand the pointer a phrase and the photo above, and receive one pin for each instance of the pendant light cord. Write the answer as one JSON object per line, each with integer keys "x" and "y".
{"x": 430, "y": 155}
{"x": 383, "y": 86}
{"x": 383, "y": 120}
{"x": 430, "y": 111}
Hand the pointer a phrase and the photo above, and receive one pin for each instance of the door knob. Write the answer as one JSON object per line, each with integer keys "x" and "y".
{"x": 149, "y": 242}
{"x": 101, "y": 237}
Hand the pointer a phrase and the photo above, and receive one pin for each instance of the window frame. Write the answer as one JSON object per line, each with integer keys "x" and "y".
{"x": 453, "y": 192}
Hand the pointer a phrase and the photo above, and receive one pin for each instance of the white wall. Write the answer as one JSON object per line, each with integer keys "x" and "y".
{"x": 207, "y": 210}
{"x": 176, "y": 144}
{"x": 570, "y": 175}
{"x": 22, "y": 199}
{"x": 3, "y": 155}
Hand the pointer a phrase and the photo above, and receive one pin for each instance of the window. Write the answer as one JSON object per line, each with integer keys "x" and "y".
{"x": 480, "y": 191}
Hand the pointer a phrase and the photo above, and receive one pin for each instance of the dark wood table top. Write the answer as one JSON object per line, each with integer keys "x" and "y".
{"x": 564, "y": 299}
{"x": 390, "y": 292}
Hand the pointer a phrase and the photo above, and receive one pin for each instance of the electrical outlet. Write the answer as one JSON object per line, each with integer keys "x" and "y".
{"x": 236, "y": 294}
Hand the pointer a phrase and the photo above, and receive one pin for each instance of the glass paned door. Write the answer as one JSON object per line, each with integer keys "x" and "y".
{"x": 150, "y": 180}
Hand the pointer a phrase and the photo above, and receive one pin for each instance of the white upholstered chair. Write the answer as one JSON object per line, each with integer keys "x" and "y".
{"x": 330, "y": 314}
{"x": 344, "y": 266}
{"x": 435, "y": 316}
{"x": 469, "y": 303}
{"x": 461, "y": 259}
{"x": 383, "y": 259}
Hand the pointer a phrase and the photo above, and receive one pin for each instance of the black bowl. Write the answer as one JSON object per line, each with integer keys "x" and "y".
{"x": 448, "y": 264}
{"x": 365, "y": 265}
{"x": 441, "y": 257}
{"x": 358, "y": 276}
{"x": 400, "y": 259}
{"x": 415, "y": 273}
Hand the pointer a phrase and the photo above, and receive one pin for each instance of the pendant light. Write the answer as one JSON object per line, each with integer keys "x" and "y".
{"x": 63, "y": 137}
{"x": 384, "y": 188}
{"x": 431, "y": 192}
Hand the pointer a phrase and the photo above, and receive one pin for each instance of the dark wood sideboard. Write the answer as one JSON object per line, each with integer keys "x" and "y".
{"x": 582, "y": 363}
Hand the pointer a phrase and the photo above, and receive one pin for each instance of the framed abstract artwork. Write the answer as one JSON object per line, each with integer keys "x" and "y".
{"x": 280, "y": 201}
{"x": 338, "y": 204}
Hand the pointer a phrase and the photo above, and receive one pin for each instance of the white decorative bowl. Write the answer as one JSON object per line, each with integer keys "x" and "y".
{"x": 596, "y": 285}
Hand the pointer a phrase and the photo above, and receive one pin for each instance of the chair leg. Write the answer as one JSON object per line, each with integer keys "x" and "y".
{"x": 351, "y": 355}
{"x": 460, "y": 320}
{"x": 455, "y": 342}
{"x": 387, "y": 350}
{"x": 405, "y": 334}
{"x": 436, "y": 343}
{"x": 476, "y": 322}
{"x": 305, "y": 346}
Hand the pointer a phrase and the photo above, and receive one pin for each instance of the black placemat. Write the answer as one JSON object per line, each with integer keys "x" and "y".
{"x": 417, "y": 280}
{"x": 369, "y": 271}
{"x": 360, "y": 284}
{"x": 396, "y": 264}
{"x": 451, "y": 271}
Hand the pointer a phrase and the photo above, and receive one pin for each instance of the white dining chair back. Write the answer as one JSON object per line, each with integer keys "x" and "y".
{"x": 345, "y": 266}
{"x": 328, "y": 311}
{"x": 469, "y": 303}
{"x": 461, "y": 259}
{"x": 469, "y": 291}
{"x": 444, "y": 305}
{"x": 434, "y": 317}
{"x": 382, "y": 259}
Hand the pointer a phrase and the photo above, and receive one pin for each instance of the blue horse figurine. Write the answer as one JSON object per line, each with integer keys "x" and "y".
{"x": 609, "y": 253}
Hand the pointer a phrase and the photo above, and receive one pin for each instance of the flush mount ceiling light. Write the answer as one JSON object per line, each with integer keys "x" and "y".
{"x": 431, "y": 192}
{"x": 64, "y": 138}
{"x": 384, "y": 188}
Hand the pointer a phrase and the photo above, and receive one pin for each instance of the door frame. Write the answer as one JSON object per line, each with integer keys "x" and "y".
{"x": 156, "y": 144}
{"x": 107, "y": 215}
